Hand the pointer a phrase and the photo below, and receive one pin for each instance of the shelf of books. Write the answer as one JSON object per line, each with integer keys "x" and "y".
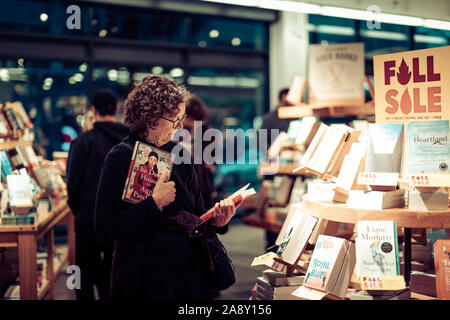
{"x": 32, "y": 202}
{"x": 384, "y": 185}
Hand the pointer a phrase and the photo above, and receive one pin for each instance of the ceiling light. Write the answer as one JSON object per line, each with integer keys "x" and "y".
{"x": 377, "y": 34}
{"x": 48, "y": 81}
{"x": 291, "y": 6}
{"x": 235, "y": 42}
{"x": 103, "y": 33}
{"x": 83, "y": 67}
{"x": 176, "y": 72}
{"x": 112, "y": 75}
{"x": 429, "y": 39}
{"x": 78, "y": 77}
{"x": 157, "y": 70}
{"x": 437, "y": 24}
{"x": 249, "y": 3}
{"x": 72, "y": 80}
{"x": 44, "y": 17}
{"x": 214, "y": 33}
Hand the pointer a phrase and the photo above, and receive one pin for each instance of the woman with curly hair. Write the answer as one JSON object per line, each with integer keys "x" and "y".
{"x": 161, "y": 248}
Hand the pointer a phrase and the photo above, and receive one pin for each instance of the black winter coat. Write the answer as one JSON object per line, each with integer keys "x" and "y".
{"x": 154, "y": 257}
{"x": 86, "y": 156}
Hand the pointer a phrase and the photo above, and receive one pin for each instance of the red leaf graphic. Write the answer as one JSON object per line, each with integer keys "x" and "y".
{"x": 404, "y": 74}
{"x": 405, "y": 102}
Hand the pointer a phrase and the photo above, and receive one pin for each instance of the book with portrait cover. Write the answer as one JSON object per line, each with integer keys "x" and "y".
{"x": 377, "y": 251}
{"x": 428, "y": 146}
{"x": 147, "y": 164}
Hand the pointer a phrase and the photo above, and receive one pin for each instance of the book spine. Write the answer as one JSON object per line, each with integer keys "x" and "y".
{"x": 130, "y": 169}
{"x": 397, "y": 260}
{"x": 210, "y": 213}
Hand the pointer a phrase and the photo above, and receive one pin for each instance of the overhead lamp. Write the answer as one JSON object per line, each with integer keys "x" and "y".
{"x": 437, "y": 24}
{"x": 83, "y": 67}
{"x": 157, "y": 70}
{"x": 386, "y": 35}
{"x": 247, "y": 3}
{"x": 291, "y": 6}
{"x": 112, "y": 75}
{"x": 214, "y": 33}
{"x": 176, "y": 72}
{"x": 103, "y": 33}
{"x": 43, "y": 17}
{"x": 429, "y": 39}
{"x": 48, "y": 81}
{"x": 78, "y": 77}
{"x": 235, "y": 42}
{"x": 72, "y": 80}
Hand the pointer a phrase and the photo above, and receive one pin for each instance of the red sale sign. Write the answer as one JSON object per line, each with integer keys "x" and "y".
{"x": 412, "y": 86}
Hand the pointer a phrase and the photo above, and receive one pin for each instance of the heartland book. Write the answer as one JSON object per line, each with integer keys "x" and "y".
{"x": 384, "y": 149}
{"x": 377, "y": 248}
{"x": 331, "y": 265}
{"x": 428, "y": 146}
{"x": 147, "y": 164}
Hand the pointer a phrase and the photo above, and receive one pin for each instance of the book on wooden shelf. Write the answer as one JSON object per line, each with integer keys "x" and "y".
{"x": 281, "y": 190}
{"x": 21, "y": 113}
{"x": 20, "y": 197}
{"x": 308, "y": 127}
{"x": 280, "y": 279}
{"x": 5, "y": 128}
{"x": 294, "y": 234}
{"x": 428, "y": 147}
{"x": 377, "y": 249}
{"x": 376, "y": 200}
{"x": 267, "y": 291}
{"x": 327, "y": 149}
{"x": 441, "y": 249}
{"x": 293, "y": 129}
{"x": 384, "y": 148}
{"x": 298, "y": 190}
{"x": 296, "y": 90}
{"x": 404, "y": 294}
{"x": 331, "y": 265}
{"x": 427, "y": 201}
{"x": 347, "y": 178}
{"x": 277, "y": 145}
{"x": 6, "y": 166}
{"x": 320, "y": 190}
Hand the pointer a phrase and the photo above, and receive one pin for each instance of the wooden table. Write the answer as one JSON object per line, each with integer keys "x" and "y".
{"x": 25, "y": 237}
{"x": 405, "y": 218}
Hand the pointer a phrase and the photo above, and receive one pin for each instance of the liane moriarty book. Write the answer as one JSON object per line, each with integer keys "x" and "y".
{"x": 428, "y": 146}
{"x": 147, "y": 164}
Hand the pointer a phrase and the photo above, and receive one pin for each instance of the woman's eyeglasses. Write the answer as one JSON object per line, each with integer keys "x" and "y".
{"x": 176, "y": 123}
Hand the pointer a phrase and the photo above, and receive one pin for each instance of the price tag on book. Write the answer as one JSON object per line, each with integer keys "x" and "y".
{"x": 382, "y": 283}
{"x": 378, "y": 178}
{"x": 429, "y": 180}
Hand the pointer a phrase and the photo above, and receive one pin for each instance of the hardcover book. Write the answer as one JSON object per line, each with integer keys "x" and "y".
{"x": 428, "y": 146}
{"x": 331, "y": 265}
{"x": 6, "y": 167}
{"x": 384, "y": 149}
{"x": 266, "y": 291}
{"x": 147, "y": 164}
{"x": 377, "y": 251}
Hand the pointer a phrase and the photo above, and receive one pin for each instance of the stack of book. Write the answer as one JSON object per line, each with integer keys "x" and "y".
{"x": 273, "y": 285}
{"x": 404, "y": 294}
{"x": 13, "y": 120}
{"x": 376, "y": 200}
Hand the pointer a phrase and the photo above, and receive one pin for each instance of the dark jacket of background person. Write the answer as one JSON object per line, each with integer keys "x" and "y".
{"x": 153, "y": 257}
{"x": 86, "y": 156}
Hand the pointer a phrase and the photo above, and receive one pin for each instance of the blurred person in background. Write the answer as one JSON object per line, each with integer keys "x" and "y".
{"x": 86, "y": 156}
{"x": 196, "y": 111}
{"x": 271, "y": 121}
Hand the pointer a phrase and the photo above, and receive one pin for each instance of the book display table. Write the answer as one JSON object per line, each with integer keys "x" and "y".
{"x": 405, "y": 218}
{"x": 25, "y": 238}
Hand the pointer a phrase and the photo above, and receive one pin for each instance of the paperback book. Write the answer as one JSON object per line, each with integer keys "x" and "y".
{"x": 147, "y": 164}
{"x": 384, "y": 149}
{"x": 331, "y": 265}
{"x": 377, "y": 251}
{"x": 428, "y": 146}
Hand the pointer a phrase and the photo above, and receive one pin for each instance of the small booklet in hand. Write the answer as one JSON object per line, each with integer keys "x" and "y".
{"x": 147, "y": 164}
{"x": 238, "y": 198}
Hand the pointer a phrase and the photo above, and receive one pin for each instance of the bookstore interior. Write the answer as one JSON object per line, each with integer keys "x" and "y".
{"x": 349, "y": 199}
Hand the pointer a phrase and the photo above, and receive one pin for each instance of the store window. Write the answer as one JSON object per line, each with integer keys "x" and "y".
{"x": 138, "y": 24}
{"x": 228, "y": 33}
{"x": 41, "y": 17}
